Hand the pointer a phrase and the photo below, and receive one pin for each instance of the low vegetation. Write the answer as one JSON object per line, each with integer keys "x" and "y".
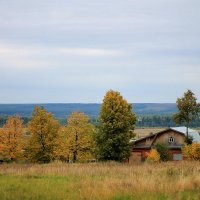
{"x": 153, "y": 156}
{"x": 192, "y": 151}
{"x": 169, "y": 180}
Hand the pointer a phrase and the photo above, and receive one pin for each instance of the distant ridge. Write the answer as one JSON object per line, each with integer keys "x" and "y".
{"x": 62, "y": 110}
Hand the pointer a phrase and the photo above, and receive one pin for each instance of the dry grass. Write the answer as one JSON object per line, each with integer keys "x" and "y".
{"x": 142, "y": 132}
{"x": 172, "y": 180}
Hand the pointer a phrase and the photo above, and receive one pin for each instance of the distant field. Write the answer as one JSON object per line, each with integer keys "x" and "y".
{"x": 142, "y": 132}
{"x": 57, "y": 181}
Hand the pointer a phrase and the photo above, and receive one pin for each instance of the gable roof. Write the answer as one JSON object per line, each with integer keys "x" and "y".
{"x": 182, "y": 130}
{"x": 150, "y": 135}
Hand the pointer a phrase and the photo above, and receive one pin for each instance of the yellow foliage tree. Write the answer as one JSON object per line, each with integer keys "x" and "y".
{"x": 153, "y": 156}
{"x": 11, "y": 138}
{"x": 45, "y": 140}
{"x": 1, "y": 140}
{"x": 192, "y": 152}
{"x": 60, "y": 151}
{"x": 79, "y": 140}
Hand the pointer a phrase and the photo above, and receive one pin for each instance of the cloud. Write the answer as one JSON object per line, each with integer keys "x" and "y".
{"x": 89, "y": 52}
{"x": 18, "y": 50}
{"x": 37, "y": 57}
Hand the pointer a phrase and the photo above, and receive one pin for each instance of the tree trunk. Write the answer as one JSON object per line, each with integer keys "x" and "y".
{"x": 76, "y": 148}
{"x": 187, "y": 132}
{"x": 75, "y": 156}
{"x": 187, "y": 126}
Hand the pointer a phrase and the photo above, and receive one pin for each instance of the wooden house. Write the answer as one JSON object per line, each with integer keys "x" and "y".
{"x": 172, "y": 137}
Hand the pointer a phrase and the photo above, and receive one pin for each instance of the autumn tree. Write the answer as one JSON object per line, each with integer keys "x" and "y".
{"x": 45, "y": 139}
{"x": 79, "y": 137}
{"x": 117, "y": 122}
{"x": 11, "y": 139}
{"x": 188, "y": 109}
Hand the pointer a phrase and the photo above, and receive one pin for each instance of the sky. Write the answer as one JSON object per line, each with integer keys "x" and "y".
{"x": 74, "y": 51}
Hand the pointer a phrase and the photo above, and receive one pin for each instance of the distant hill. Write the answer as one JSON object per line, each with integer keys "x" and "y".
{"x": 91, "y": 109}
{"x": 154, "y": 108}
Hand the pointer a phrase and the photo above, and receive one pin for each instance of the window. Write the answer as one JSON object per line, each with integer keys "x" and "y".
{"x": 171, "y": 139}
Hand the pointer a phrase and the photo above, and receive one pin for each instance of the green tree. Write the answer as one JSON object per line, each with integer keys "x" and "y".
{"x": 44, "y": 140}
{"x": 117, "y": 122}
{"x": 163, "y": 151}
{"x": 188, "y": 109}
{"x": 79, "y": 137}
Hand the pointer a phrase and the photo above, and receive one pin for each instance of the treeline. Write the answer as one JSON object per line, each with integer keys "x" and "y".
{"x": 142, "y": 121}
{"x": 161, "y": 121}
{"x": 26, "y": 120}
{"x": 155, "y": 121}
{"x": 4, "y": 118}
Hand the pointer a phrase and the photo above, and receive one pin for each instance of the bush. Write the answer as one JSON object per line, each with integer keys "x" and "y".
{"x": 153, "y": 156}
{"x": 192, "y": 152}
{"x": 163, "y": 151}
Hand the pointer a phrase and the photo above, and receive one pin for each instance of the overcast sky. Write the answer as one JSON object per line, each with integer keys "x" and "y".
{"x": 74, "y": 51}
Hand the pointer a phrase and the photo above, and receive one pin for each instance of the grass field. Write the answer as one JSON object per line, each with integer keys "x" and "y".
{"x": 56, "y": 181}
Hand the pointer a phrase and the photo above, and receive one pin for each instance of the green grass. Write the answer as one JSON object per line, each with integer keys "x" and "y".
{"x": 37, "y": 187}
{"x": 179, "y": 180}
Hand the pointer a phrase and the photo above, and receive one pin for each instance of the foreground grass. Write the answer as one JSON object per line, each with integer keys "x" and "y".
{"x": 173, "y": 180}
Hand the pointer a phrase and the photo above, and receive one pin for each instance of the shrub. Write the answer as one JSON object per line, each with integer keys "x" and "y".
{"x": 153, "y": 156}
{"x": 192, "y": 152}
{"x": 163, "y": 151}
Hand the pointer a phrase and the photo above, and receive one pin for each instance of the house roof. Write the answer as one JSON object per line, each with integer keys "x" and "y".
{"x": 149, "y": 136}
{"x": 195, "y": 134}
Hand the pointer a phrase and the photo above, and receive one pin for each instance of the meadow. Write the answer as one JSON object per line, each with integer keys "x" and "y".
{"x": 114, "y": 181}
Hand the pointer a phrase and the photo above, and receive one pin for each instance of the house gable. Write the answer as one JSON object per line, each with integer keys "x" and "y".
{"x": 169, "y": 137}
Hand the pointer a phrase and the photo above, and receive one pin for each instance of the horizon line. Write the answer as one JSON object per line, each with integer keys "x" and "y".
{"x": 86, "y": 103}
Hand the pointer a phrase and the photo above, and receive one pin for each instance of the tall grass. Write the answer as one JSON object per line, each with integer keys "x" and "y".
{"x": 171, "y": 180}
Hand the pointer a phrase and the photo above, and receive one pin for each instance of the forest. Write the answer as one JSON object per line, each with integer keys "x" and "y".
{"x": 142, "y": 121}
